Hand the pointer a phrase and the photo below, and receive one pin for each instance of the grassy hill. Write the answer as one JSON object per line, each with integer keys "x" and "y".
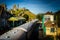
{"x": 23, "y": 11}
{"x": 30, "y": 14}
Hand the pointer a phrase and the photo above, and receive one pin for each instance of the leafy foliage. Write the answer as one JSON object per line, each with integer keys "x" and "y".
{"x": 39, "y": 16}
{"x": 26, "y": 16}
{"x": 57, "y": 17}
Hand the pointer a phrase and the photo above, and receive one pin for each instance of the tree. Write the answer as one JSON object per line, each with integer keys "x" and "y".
{"x": 4, "y": 16}
{"x": 57, "y": 18}
{"x": 39, "y": 16}
{"x": 26, "y": 17}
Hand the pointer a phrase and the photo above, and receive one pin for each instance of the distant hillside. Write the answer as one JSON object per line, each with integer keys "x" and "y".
{"x": 18, "y": 12}
{"x": 30, "y": 14}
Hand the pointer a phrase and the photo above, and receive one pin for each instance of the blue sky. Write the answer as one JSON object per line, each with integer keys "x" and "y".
{"x": 35, "y": 6}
